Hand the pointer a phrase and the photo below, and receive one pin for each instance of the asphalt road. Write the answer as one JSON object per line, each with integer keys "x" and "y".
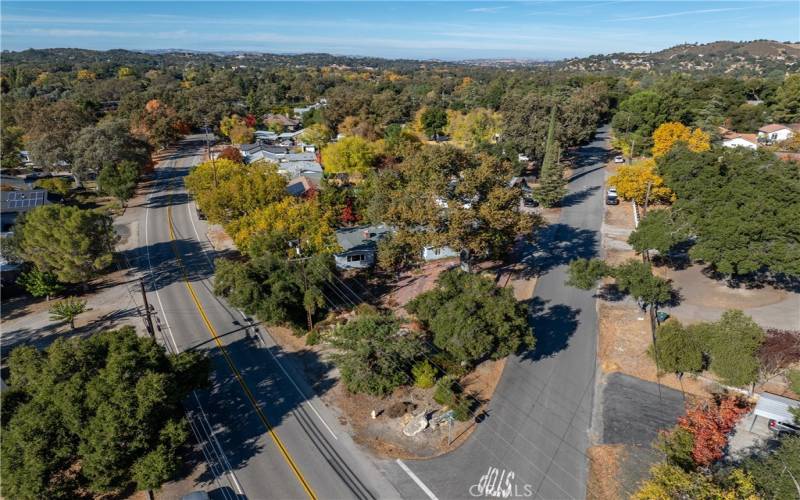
{"x": 635, "y": 410}
{"x": 533, "y": 441}
{"x": 264, "y": 433}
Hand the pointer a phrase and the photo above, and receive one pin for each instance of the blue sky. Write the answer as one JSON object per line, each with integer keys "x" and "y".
{"x": 444, "y": 30}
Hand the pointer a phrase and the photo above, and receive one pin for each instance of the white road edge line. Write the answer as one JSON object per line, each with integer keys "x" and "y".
{"x": 169, "y": 330}
{"x": 280, "y": 365}
{"x": 213, "y": 435}
{"x": 417, "y": 480}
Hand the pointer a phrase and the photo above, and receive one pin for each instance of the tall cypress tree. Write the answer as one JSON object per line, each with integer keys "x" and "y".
{"x": 552, "y": 185}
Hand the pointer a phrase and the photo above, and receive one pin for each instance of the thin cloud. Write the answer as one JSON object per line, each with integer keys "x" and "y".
{"x": 487, "y": 10}
{"x": 682, "y": 13}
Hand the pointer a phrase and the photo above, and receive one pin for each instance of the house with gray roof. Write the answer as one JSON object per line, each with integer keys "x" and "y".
{"x": 359, "y": 245}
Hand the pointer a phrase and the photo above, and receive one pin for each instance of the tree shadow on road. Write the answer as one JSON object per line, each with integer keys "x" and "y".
{"x": 577, "y": 197}
{"x": 159, "y": 266}
{"x": 234, "y": 425}
{"x": 557, "y": 245}
{"x": 553, "y": 326}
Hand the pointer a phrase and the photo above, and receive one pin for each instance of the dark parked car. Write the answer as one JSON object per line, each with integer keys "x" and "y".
{"x": 200, "y": 214}
{"x": 529, "y": 202}
{"x": 783, "y": 428}
{"x": 612, "y": 199}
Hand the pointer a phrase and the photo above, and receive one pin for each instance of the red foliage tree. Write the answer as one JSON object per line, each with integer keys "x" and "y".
{"x": 311, "y": 193}
{"x": 231, "y": 153}
{"x": 710, "y": 425}
{"x": 349, "y": 215}
{"x": 250, "y": 121}
{"x": 780, "y": 350}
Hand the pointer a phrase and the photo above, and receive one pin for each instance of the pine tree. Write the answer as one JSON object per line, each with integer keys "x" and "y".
{"x": 552, "y": 185}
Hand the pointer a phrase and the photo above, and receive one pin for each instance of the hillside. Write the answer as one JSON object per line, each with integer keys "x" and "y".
{"x": 754, "y": 58}
{"x": 758, "y": 57}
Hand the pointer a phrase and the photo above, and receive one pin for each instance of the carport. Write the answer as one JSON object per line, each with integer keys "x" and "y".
{"x": 774, "y": 407}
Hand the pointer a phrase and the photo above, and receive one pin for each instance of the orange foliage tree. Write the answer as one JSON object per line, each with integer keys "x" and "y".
{"x": 710, "y": 425}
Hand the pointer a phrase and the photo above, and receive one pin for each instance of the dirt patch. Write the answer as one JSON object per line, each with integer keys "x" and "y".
{"x": 619, "y": 215}
{"x": 219, "y": 238}
{"x": 384, "y": 436}
{"x": 698, "y": 289}
{"x": 604, "y": 472}
{"x": 623, "y": 345}
{"x": 111, "y": 302}
{"x": 415, "y": 282}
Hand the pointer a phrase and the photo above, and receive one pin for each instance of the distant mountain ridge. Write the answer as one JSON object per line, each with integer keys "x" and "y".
{"x": 736, "y": 58}
{"x": 757, "y": 57}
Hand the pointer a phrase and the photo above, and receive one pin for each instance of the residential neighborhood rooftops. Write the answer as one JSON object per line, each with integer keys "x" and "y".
{"x": 300, "y": 185}
{"x": 773, "y": 127}
{"x": 22, "y": 201}
{"x": 296, "y": 168}
{"x": 361, "y": 237}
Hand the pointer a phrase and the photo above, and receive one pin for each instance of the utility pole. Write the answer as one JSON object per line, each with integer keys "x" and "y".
{"x": 302, "y": 261}
{"x": 647, "y": 198}
{"x": 210, "y": 157}
{"x": 149, "y": 321}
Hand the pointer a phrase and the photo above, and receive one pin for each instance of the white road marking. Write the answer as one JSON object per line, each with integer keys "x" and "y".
{"x": 280, "y": 365}
{"x": 150, "y": 267}
{"x": 214, "y": 437}
{"x": 417, "y": 480}
{"x": 169, "y": 330}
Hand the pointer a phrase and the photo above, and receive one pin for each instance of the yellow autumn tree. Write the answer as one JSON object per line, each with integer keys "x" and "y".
{"x": 85, "y": 75}
{"x": 351, "y": 155}
{"x": 631, "y": 182}
{"x": 238, "y": 189}
{"x": 124, "y": 72}
{"x": 293, "y": 218}
{"x": 669, "y": 481}
{"x": 241, "y": 134}
{"x": 479, "y": 126}
{"x": 669, "y": 133}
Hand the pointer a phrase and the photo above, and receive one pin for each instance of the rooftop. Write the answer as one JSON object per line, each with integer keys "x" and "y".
{"x": 22, "y": 201}
{"x": 773, "y": 127}
{"x": 362, "y": 237}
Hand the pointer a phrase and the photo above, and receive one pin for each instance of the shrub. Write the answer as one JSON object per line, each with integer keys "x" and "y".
{"x": 313, "y": 337}
{"x": 794, "y": 380}
{"x": 424, "y": 375}
{"x": 733, "y": 344}
{"x": 400, "y": 408}
{"x": 445, "y": 393}
{"x": 677, "y": 445}
{"x": 679, "y": 348}
{"x": 462, "y": 409}
{"x": 40, "y": 284}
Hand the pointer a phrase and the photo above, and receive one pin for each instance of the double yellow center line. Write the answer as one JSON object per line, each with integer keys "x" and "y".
{"x": 236, "y": 373}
